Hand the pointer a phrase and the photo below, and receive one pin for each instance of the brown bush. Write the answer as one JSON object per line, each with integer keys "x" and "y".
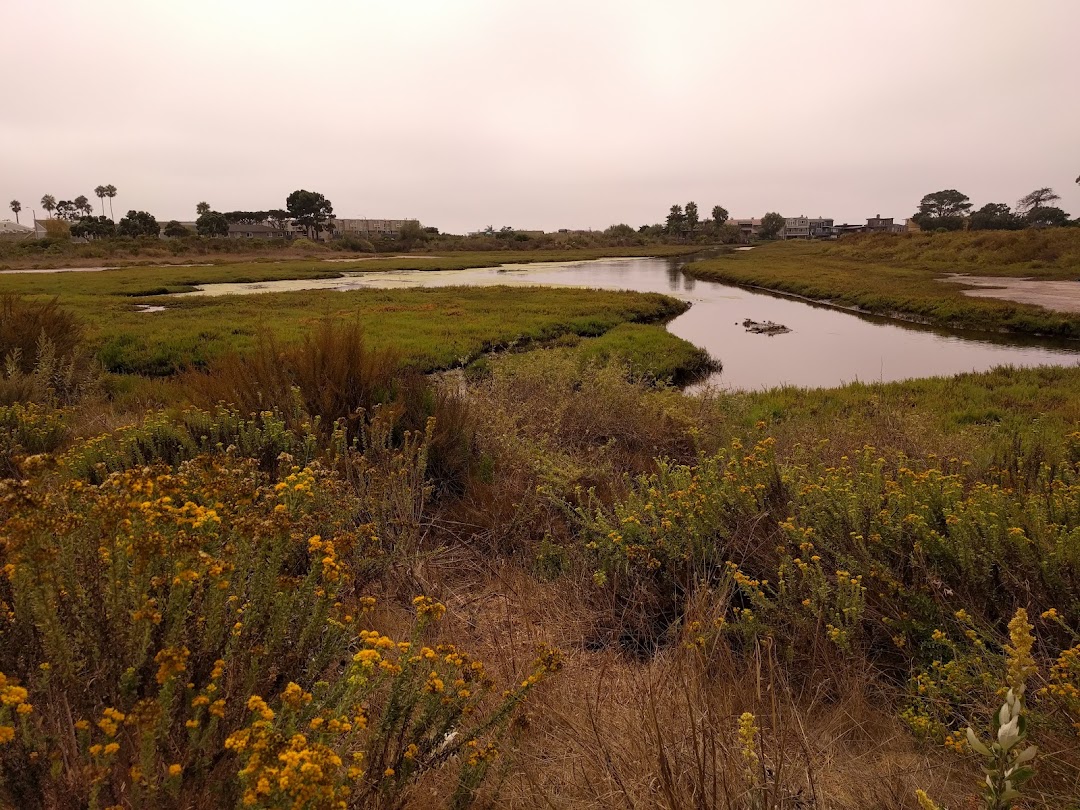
{"x": 23, "y": 323}
{"x": 335, "y": 376}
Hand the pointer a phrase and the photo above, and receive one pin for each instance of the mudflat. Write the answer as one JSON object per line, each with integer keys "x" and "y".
{"x": 1061, "y": 296}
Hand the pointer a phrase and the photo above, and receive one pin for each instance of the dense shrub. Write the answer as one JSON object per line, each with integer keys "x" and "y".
{"x": 169, "y": 632}
{"x": 41, "y": 354}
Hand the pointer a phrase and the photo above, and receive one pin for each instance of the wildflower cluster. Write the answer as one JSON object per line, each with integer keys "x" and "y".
{"x": 158, "y": 599}
{"x": 322, "y": 748}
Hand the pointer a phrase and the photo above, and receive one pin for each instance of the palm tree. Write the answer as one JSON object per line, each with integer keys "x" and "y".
{"x": 48, "y": 202}
{"x": 100, "y": 192}
{"x": 83, "y": 204}
{"x": 16, "y": 206}
{"x": 110, "y": 192}
{"x": 202, "y": 208}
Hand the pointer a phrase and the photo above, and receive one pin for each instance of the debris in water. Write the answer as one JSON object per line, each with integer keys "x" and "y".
{"x": 764, "y": 328}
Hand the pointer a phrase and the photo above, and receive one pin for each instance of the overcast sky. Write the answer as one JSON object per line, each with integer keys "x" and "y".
{"x": 465, "y": 113}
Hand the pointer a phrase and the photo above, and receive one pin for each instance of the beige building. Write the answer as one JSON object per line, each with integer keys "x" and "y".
{"x": 370, "y": 228}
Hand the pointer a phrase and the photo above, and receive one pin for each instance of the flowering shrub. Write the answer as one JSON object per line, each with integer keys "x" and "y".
{"x": 868, "y": 553}
{"x": 141, "y": 619}
{"x": 29, "y": 429}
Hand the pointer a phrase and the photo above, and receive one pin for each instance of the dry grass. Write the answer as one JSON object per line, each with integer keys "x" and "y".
{"x": 617, "y": 732}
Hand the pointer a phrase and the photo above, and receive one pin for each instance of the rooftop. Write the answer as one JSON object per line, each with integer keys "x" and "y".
{"x": 9, "y": 227}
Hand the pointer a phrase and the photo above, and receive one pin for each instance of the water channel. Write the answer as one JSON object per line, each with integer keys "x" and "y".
{"x": 826, "y": 346}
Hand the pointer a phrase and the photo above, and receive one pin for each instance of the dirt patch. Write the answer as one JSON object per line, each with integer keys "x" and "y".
{"x": 1061, "y": 296}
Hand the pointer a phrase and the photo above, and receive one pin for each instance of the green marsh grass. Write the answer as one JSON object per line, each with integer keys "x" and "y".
{"x": 900, "y": 275}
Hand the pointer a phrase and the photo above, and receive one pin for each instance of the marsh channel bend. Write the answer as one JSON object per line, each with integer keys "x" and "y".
{"x": 826, "y": 346}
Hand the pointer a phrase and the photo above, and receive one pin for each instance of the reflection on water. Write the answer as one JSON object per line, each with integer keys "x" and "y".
{"x": 826, "y": 347}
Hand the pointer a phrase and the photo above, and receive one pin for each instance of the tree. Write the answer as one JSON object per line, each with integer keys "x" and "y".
{"x": 675, "y": 221}
{"x": 771, "y": 225}
{"x": 212, "y": 224}
{"x": 67, "y": 210}
{"x": 83, "y": 204}
{"x": 279, "y": 217}
{"x": 110, "y": 192}
{"x": 48, "y": 202}
{"x": 994, "y": 217}
{"x": 99, "y": 191}
{"x": 728, "y": 233}
{"x": 692, "y": 218}
{"x": 202, "y": 208}
{"x": 247, "y": 217}
{"x": 719, "y": 215}
{"x": 943, "y": 210}
{"x": 1036, "y": 199}
{"x": 16, "y": 207}
{"x": 175, "y": 230}
{"x": 94, "y": 228}
{"x": 311, "y": 211}
{"x": 138, "y": 223}
{"x": 947, "y": 203}
{"x": 411, "y": 234}
{"x": 1047, "y": 216}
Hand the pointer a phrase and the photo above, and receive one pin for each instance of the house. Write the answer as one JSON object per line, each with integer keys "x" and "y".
{"x": 880, "y": 224}
{"x": 822, "y": 228}
{"x": 748, "y": 228}
{"x": 845, "y": 229}
{"x": 370, "y": 228}
{"x": 254, "y": 230}
{"x": 796, "y": 228}
{"x": 13, "y": 230}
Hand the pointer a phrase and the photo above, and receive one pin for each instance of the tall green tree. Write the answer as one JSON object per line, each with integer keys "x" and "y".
{"x": 719, "y": 215}
{"x": 279, "y": 217}
{"x": 16, "y": 207}
{"x": 202, "y": 208}
{"x": 676, "y": 221}
{"x": 110, "y": 192}
{"x": 99, "y": 191}
{"x": 138, "y": 223}
{"x": 946, "y": 203}
{"x": 211, "y": 223}
{"x": 68, "y": 211}
{"x": 83, "y": 204}
{"x": 692, "y": 218}
{"x": 1047, "y": 216}
{"x": 175, "y": 230}
{"x": 771, "y": 225}
{"x": 94, "y": 228}
{"x": 994, "y": 217}
{"x": 311, "y": 211}
{"x": 48, "y": 202}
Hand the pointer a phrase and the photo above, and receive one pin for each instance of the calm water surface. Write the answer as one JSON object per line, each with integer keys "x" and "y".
{"x": 826, "y": 347}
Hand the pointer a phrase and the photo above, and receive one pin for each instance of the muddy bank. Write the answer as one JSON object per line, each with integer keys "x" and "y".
{"x": 1060, "y": 296}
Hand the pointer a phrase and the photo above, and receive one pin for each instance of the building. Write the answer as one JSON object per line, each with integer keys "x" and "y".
{"x": 370, "y": 228}
{"x": 880, "y": 224}
{"x": 13, "y": 230}
{"x": 822, "y": 228}
{"x": 748, "y": 228}
{"x": 796, "y": 228}
{"x": 258, "y": 230}
{"x": 52, "y": 228}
